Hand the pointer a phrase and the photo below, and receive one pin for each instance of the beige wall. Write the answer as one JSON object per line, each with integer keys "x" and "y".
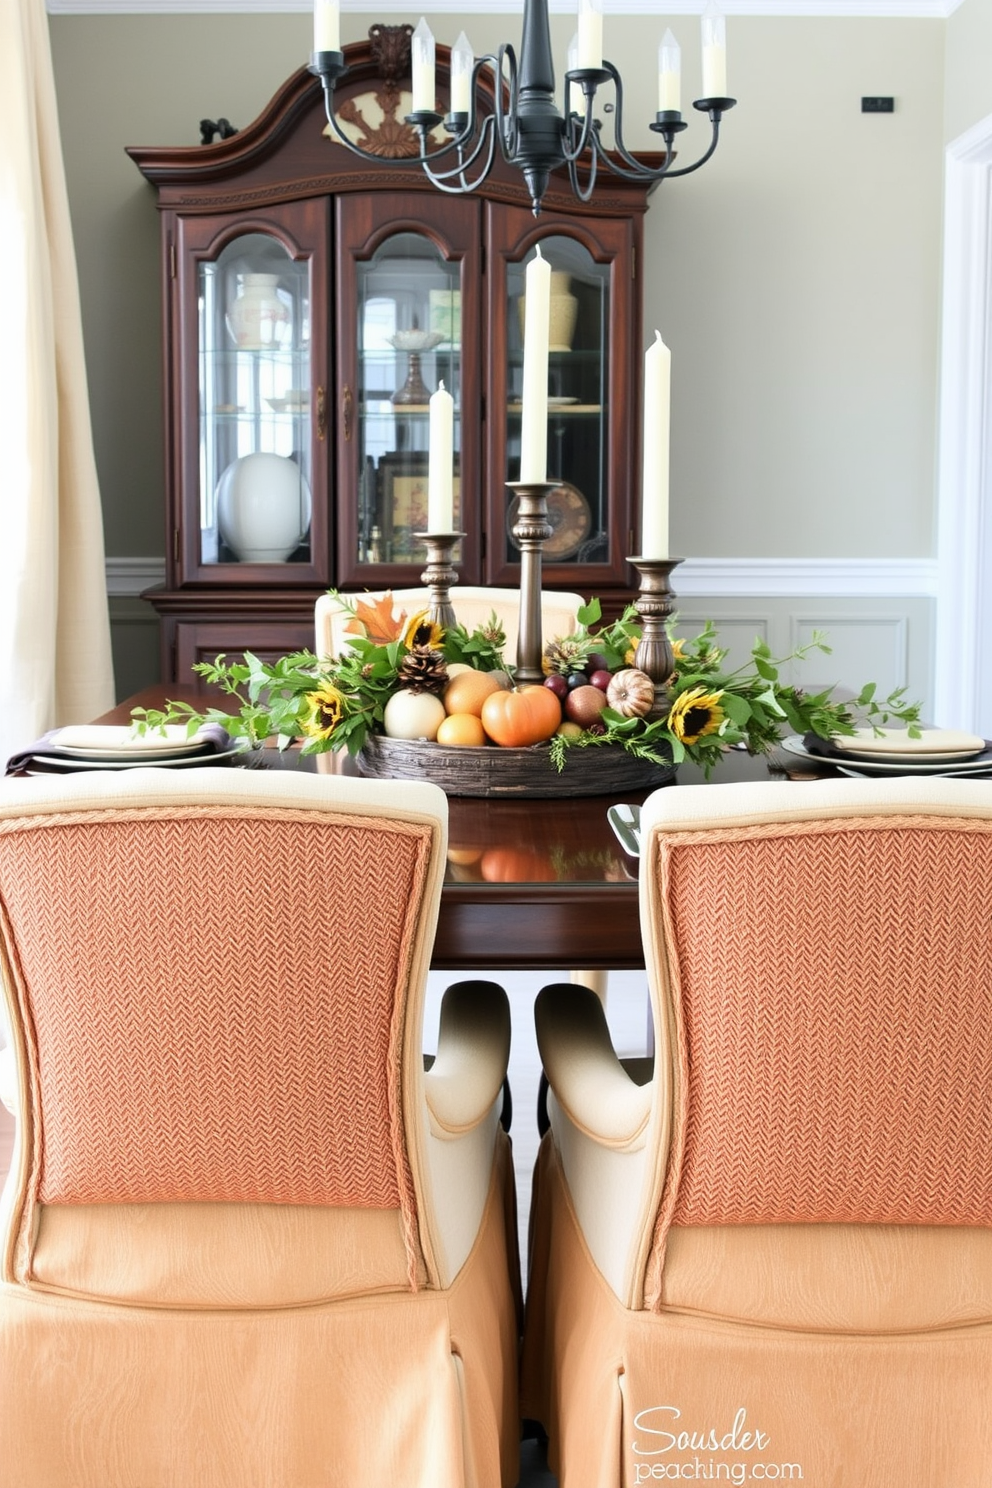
{"x": 968, "y": 97}
{"x": 796, "y": 277}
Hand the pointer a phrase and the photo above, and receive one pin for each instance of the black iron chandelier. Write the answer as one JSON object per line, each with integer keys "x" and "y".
{"x": 533, "y": 134}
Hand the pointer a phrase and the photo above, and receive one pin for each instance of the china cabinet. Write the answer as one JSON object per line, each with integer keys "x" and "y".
{"x": 312, "y": 304}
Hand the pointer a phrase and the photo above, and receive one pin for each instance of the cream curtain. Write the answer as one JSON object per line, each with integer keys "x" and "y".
{"x": 55, "y": 662}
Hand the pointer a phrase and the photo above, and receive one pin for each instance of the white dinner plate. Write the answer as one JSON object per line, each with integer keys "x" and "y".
{"x": 857, "y": 773}
{"x": 172, "y": 762}
{"x": 904, "y": 766}
{"x": 930, "y": 744}
{"x": 930, "y": 757}
{"x": 116, "y": 741}
{"x": 288, "y": 405}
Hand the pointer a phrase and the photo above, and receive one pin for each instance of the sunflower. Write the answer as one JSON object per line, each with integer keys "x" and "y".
{"x": 695, "y": 713}
{"x": 324, "y": 709}
{"x": 678, "y": 649}
{"x": 422, "y": 631}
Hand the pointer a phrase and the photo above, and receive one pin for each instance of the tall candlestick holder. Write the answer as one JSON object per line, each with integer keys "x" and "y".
{"x": 531, "y": 531}
{"x": 439, "y": 575}
{"x": 654, "y": 605}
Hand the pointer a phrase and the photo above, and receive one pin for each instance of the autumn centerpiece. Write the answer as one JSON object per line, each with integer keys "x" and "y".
{"x": 407, "y": 697}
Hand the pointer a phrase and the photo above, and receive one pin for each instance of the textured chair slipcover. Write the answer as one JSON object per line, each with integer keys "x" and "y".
{"x": 247, "y": 1241}
{"x": 772, "y": 1258}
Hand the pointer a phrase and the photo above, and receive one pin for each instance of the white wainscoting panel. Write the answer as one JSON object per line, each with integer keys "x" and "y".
{"x": 866, "y": 647}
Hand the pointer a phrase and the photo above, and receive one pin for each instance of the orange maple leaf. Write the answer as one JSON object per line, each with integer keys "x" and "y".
{"x": 377, "y": 620}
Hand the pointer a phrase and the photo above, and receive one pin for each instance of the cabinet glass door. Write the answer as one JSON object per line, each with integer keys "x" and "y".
{"x": 255, "y": 404}
{"x": 409, "y": 344}
{"x": 592, "y": 416}
{"x": 578, "y": 401}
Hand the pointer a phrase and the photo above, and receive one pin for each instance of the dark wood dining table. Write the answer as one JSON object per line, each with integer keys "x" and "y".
{"x": 535, "y": 884}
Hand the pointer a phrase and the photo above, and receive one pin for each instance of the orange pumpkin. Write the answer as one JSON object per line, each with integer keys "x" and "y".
{"x": 515, "y": 719}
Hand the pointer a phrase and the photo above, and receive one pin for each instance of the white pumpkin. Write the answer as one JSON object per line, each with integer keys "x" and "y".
{"x": 412, "y": 715}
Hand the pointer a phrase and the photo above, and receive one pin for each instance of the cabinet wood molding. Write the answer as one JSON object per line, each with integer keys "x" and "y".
{"x": 301, "y": 286}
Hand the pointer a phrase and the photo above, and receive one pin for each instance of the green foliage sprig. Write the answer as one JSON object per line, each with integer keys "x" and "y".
{"x": 334, "y": 704}
{"x": 710, "y": 707}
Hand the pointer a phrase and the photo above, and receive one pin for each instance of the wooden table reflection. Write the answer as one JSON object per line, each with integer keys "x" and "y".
{"x": 531, "y": 885}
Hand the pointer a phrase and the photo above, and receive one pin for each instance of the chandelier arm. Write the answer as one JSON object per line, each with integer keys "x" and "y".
{"x": 506, "y": 126}
{"x": 687, "y": 170}
{"x": 572, "y": 154}
{"x": 635, "y": 171}
{"x": 441, "y": 178}
{"x": 584, "y": 193}
{"x": 618, "y": 140}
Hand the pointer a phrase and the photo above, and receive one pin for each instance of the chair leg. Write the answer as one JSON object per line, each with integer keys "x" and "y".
{"x": 594, "y": 980}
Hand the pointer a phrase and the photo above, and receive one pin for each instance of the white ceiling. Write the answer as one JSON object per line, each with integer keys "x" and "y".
{"x": 934, "y": 9}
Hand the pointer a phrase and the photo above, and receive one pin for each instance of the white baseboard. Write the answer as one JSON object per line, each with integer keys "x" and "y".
{"x": 719, "y": 578}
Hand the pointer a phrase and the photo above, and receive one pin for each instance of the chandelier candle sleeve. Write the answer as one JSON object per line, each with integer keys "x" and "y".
{"x": 422, "y": 67}
{"x": 462, "y": 62}
{"x": 590, "y": 34}
{"x": 714, "y": 29}
{"x": 440, "y": 488}
{"x": 657, "y": 417}
{"x": 326, "y": 26}
{"x": 669, "y": 75}
{"x": 572, "y": 57}
{"x": 534, "y": 411}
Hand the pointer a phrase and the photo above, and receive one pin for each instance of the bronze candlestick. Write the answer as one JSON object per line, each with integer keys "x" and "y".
{"x": 531, "y": 531}
{"x": 655, "y": 598}
{"x": 439, "y": 575}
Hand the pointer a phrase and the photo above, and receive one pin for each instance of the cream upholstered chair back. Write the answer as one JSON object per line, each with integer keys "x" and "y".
{"x": 824, "y": 982}
{"x": 473, "y": 607}
{"x": 774, "y": 1257}
{"x": 187, "y": 1032}
{"x": 245, "y": 1231}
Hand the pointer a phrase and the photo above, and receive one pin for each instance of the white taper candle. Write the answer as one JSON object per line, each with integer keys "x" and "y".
{"x": 669, "y": 74}
{"x": 422, "y": 67}
{"x": 326, "y": 26}
{"x": 657, "y": 419}
{"x": 440, "y": 485}
{"x": 590, "y": 33}
{"x": 714, "y": 37}
{"x": 534, "y": 413}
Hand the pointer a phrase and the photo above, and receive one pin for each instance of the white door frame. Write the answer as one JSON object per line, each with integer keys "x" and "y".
{"x": 963, "y": 650}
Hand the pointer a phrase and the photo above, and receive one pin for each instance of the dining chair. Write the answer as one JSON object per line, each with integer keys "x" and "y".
{"x": 473, "y": 605}
{"x": 770, "y": 1255}
{"x": 247, "y": 1239}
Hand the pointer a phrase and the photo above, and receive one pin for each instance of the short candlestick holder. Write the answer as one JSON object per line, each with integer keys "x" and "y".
{"x": 439, "y": 575}
{"x": 654, "y": 605}
{"x": 531, "y": 531}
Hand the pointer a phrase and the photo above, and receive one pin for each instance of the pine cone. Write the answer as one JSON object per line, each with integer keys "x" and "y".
{"x": 565, "y": 655}
{"x": 423, "y": 670}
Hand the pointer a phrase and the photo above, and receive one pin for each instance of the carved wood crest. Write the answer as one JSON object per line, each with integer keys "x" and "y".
{"x": 390, "y": 137}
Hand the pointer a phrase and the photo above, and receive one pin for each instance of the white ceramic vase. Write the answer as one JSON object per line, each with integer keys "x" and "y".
{"x": 564, "y": 310}
{"x": 258, "y": 320}
{"x": 263, "y": 507}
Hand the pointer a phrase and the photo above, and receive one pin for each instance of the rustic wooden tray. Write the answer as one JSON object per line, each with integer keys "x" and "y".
{"x": 492, "y": 771}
